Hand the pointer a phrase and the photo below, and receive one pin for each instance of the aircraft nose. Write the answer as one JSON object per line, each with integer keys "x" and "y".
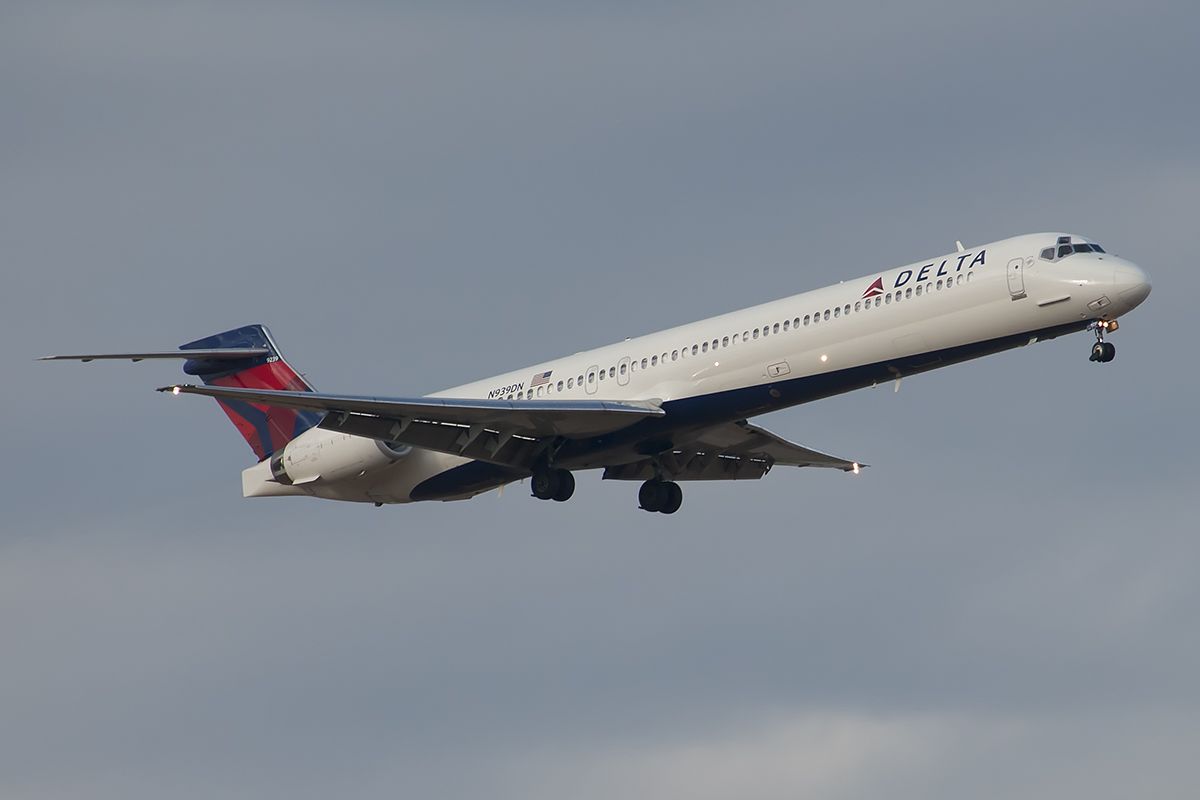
{"x": 1131, "y": 283}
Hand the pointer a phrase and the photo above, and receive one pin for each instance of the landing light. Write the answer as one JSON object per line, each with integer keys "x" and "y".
{"x": 854, "y": 469}
{"x": 824, "y": 358}
{"x": 174, "y": 390}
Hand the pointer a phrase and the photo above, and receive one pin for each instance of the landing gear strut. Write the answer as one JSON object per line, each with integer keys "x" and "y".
{"x": 664, "y": 497}
{"x": 553, "y": 484}
{"x": 1102, "y": 351}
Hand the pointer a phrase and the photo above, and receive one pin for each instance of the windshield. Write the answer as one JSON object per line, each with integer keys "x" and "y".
{"x": 1066, "y": 247}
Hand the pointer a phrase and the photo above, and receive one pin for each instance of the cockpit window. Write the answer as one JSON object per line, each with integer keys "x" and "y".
{"x": 1064, "y": 248}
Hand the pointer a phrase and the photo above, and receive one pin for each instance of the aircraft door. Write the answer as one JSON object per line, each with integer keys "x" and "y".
{"x": 590, "y": 385}
{"x": 1016, "y": 278}
{"x": 623, "y": 371}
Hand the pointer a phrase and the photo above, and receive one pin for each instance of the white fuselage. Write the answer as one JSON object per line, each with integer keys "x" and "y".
{"x": 822, "y": 342}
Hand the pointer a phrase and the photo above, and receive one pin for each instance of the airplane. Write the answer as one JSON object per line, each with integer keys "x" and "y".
{"x": 663, "y": 408}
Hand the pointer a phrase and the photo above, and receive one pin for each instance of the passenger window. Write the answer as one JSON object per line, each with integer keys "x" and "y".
{"x": 654, "y": 361}
{"x": 736, "y": 337}
{"x": 908, "y": 293}
{"x": 846, "y": 310}
{"x": 612, "y": 372}
{"x": 756, "y": 333}
{"x": 858, "y": 306}
{"x": 837, "y": 312}
{"x": 960, "y": 279}
{"x": 581, "y": 380}
{"x": 827, "y": 314}
{"x": 745, "y": 336}
{"x": 878, "y": 300}
{"x": 725, "y": 341}
{"x": 695, "y": 349}
{"x": 969, "y": 274}
{"x": 939, "y": 284}
{"x": 570, "y": 383}
{"x": 603, "y": 373}
{"x": 674, "y": 355}
{"x": 787, "y": 324}
{"x": 775, "y": 328}
{"x": 622, "y": 368}
{"x": 715, "y": 343}
{"x": 796, "y": 322}
{"x": 887, "y": 298}
{"x": 591, "y": 377}
{"x": 704, "y": 347}
{"x": 539, "y": 391}
{"x": 643, "y": 363}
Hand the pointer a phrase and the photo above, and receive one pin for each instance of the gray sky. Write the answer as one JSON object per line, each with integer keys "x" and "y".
{"x": 413, "y": 196}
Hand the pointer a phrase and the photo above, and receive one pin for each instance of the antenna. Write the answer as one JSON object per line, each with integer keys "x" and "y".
{"x": 958, "y": 244}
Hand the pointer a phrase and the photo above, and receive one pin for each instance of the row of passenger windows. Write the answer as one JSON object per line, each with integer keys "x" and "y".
{"x": 649, "y": 362}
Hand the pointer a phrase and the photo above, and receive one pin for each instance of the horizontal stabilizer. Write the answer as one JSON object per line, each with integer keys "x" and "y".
{"x": 217, "y": 354}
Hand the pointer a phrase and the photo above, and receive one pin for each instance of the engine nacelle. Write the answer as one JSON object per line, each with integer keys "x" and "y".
{"x": 324, "y": 455}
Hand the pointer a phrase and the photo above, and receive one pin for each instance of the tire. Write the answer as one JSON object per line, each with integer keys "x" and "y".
{"x": 673, "y": 499}
{"x": 544, "y": 483}
{"x": 1110, "y": 352}
{"x": 566, "y": 486}
{"x": 650, "y": 495}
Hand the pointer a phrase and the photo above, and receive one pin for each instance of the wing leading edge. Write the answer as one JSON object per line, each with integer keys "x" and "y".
{"x": 530, "y": 418}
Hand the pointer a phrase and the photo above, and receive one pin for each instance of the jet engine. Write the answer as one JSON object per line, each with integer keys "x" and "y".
{"x": 330, "y": 456}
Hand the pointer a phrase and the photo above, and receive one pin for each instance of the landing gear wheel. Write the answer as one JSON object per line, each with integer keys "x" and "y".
{"x": 1103, "y": 352}
{"x": 674, "y": 498}
{"x": 650, "y": 496}
{"x": 545, "y": 483}
{"x": 566, "y": 486}
{"x": 663, "y": 496}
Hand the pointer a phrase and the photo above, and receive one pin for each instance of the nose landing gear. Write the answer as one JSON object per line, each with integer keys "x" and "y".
{"x": 1102, "y": 351}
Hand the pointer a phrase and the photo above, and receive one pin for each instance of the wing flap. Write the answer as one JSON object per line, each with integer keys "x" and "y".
{"x": 727, "y": 451}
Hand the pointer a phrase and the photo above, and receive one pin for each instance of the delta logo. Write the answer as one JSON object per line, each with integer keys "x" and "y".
{"x": 928, "y": 272}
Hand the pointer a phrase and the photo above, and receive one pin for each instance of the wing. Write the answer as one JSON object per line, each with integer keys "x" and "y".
{"x": 729, "y": 451}
{"x": 507, "y": 432}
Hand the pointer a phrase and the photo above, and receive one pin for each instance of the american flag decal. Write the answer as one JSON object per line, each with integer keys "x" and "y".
{"x": 541, "y": 378}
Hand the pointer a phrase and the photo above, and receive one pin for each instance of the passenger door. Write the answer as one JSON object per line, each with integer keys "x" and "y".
{"x": 1016, "y": 278}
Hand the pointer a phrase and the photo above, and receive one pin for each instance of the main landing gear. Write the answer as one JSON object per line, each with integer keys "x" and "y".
{"x": 553, "y": 484}
{"x": 1102, "y": 351}
{"x": 664, "y": 497}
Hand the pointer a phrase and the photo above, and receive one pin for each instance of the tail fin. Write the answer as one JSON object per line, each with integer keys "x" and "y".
{"x": 265, "y": 428}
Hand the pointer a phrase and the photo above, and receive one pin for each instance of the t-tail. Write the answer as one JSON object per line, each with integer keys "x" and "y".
{"x": 245, "y": 358}
{"x": 265, "y": 428}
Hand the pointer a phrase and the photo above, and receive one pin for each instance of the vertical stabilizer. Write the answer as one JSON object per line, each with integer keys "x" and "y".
{"x": 265, "y": 428}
